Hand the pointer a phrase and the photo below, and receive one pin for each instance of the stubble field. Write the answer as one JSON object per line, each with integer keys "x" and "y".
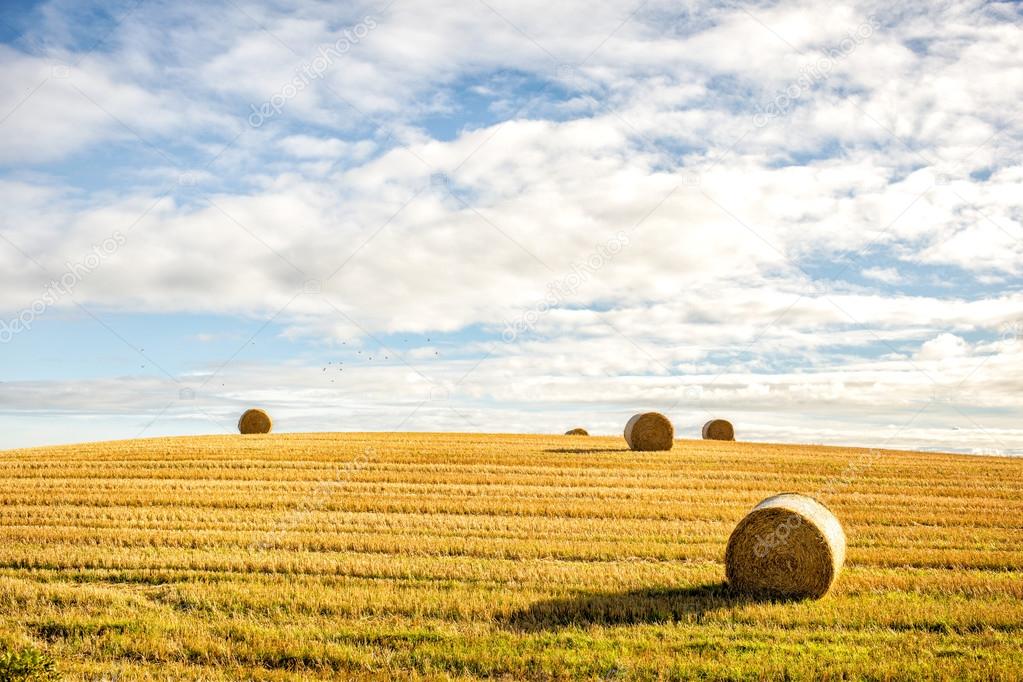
{"x": 307, "y": 556}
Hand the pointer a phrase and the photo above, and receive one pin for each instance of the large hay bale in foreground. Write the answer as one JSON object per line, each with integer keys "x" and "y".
{"x": 255, "y": 421}
{"x": 718, "y": 429}
{"x": 649, "y": 431}
{"x": 790, "y": 545}
{"x": 577, "y": 432}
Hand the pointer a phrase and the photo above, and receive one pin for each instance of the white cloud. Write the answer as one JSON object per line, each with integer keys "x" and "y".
{"x": 58, "y": 105}
{"x": 309, "y": 147}
{"x": 944, "y": 347}
{"x": 883, "y": 275}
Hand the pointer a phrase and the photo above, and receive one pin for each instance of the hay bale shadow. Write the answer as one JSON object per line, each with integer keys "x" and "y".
{"x": 586, "y": 450}
{"x": 635, "y": 607}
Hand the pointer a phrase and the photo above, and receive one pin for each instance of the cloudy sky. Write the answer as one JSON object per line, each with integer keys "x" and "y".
{"x": 513, "y": 216}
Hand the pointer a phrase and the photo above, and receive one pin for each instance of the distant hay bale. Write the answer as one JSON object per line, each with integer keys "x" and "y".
{"x": 718, "y": 429}
{"x": 577, "y": 432}
{"x": 790, "y": 545}
{"x": 650, "y": 431}
{"x": 255, "y": 421}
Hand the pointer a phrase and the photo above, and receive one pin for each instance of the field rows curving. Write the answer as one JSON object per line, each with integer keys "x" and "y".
{"x": 301, "y": 556}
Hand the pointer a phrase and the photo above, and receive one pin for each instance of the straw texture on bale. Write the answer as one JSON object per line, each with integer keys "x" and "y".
{"x": 718, "y": 429}
{"x": 577, "y": 432}
{"x": 255, "y": 421}
{"x": 650, "y": 431}
{"x": 790, "y": 545}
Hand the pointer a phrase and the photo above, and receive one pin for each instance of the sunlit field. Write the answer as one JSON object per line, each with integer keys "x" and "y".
{"x": 306, "y": 556}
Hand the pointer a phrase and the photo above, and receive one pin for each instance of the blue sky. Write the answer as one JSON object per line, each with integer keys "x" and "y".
{"x": 497, "y": 216}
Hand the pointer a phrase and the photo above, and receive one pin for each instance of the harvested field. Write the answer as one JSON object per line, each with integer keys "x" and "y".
{"x": 301, "y": 556}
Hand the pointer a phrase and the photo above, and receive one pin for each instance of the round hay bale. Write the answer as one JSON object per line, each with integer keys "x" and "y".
{"x": 577, "y": 432}
{"x": 649, "y": 431}
{"x": 718, "y": 429}
{"x": 790, "y": 545}
{"x": 255, "y": 421}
